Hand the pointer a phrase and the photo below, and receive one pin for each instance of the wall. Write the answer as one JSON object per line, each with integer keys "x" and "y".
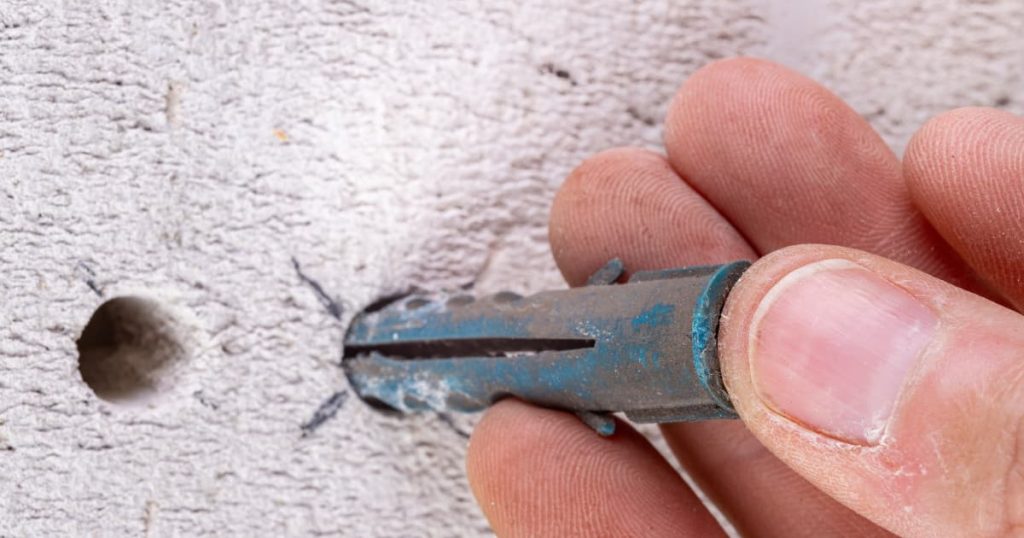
{"x": 251, "y": 174}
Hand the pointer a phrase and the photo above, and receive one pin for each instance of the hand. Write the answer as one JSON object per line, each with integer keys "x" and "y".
{"x": 879, "y": 392}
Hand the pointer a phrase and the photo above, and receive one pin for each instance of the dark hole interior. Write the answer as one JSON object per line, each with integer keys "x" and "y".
{"x": 469, "y": 347}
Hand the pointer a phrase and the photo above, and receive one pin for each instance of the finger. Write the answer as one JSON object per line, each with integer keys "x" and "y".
{"x": 965, "y": 170}
{"x": 537, "y": 472}
{"x": 629, "y": 203}
{"x": 900, "y": 395}
{"x": 761, "y": 495}
{"x": 788, "y": 162}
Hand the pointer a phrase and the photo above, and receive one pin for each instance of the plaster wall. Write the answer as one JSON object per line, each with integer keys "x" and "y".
{"x": 259, "y": 171}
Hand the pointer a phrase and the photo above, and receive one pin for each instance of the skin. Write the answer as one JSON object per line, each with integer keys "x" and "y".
{"x": 758, "y": 159}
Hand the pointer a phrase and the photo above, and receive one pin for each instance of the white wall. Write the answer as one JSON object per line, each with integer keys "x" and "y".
{"x": 189, "y": 150}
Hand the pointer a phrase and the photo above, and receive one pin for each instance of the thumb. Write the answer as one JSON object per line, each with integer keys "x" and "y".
{"x": 896, "y": 393}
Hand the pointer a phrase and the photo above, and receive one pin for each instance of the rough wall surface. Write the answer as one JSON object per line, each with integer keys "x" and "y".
{"x": 259, "y": 171}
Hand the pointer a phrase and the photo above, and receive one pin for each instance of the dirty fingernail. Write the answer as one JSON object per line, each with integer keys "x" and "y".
{"x": 832, "y": 345}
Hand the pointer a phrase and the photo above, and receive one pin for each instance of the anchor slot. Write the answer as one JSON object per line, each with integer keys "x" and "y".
{"x": 471, "y": 347}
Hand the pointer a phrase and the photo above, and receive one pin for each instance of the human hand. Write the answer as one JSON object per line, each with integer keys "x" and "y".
{"x": 879, "y": 392}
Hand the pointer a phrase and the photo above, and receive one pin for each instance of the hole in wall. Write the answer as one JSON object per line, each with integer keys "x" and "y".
{"x": 133, "y": 350}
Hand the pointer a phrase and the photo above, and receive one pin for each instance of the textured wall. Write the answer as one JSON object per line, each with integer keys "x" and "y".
{"x": 225, "y": 160}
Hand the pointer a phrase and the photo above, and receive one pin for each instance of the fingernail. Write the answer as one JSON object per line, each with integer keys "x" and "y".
{"x": 832, "y": 345}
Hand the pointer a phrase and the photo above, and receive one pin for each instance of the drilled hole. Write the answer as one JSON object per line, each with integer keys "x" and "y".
{"x": 133, "y": 350}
